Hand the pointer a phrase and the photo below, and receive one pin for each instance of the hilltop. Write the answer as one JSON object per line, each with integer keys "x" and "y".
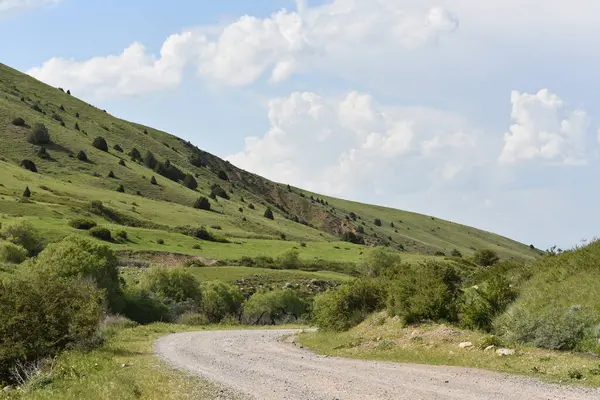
{"x": 148, "y": 182}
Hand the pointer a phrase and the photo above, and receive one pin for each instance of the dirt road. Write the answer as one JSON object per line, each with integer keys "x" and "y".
{"x": 256, "y": 365}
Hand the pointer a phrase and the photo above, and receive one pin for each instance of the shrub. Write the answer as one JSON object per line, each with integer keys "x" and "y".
{"x": 378, "y": 261}
{"x": 22, "y": 233}
{"x": 100, "y": 143}
{"x": 101, "y": 233}
{"x": 251, "y": 206}
{"x": 190, "y": 182}
{"x": 111, "y": 324}
{"x": 271, "y": 308}
{"x": 150, "y": 161}
{"x": 439, "y": 254}
{"x": 220, "y": 300}
{"x": 144, "y": 307}
{"x": 111, "y": 174}
{"x": 377, "y": 222}
{"x": 11, "y": 253}
{"x": 118, "y": 148}
{"x": 482, "y": 303}
{"x": 202, "y": 204}
{"x": 80, "y": 258}
{"x": 174, "y": 284}
{"x": 351, "y": 237}
{"x": 82, "y": 223}
{"x": 429, "y": 291}
{"x": 456, "y": 253}
{"x": 42, "y": 317}
{"x": 18, "y": 121}
{"x": 122, "y": 236}
{"x": 121, "y": 188}
{"x": 43, "y": 153}
{"x": 269, "y": 214}
{"x": 76, "y": 126}
{"x": 348, "y": 305}
{"x": 160, "y": 241}
{"x": 219, "y": 191}
{"x": 223, "y": 175}
{"x": 485, "y": 257}
{"x": 122, "y": 163}
{"x": 37, "y": 108}
{"x": 193, "y": 319}
{"x": 153, "y": 180}
{"x": 39, "y": 135}
{"x": 135, "y": 154}
{"x": 360, "y": 229}
{"x": 27, "y": 192}
{"x": 290, "y": 260}
{"x": 81, "y": 156}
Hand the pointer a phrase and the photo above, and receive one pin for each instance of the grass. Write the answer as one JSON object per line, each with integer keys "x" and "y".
{"x": 64, "y": 187}
{"x": 386, "y": 339}
{"x": 232, "y": 274}
{"x": 100, "y": 374}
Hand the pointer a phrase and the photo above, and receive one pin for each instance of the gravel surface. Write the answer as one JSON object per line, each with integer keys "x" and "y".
{"x": 256, "y": 365}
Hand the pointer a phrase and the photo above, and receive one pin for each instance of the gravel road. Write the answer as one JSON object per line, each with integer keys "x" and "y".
{"x": 255, "y": 364}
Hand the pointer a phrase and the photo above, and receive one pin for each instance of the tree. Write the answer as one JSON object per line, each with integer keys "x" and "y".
{"x": 135, "y": 154}
{"x": 122, "y": 163}
{"x": 485, "y": 257}
{"x": 190, "y": 182}
{"x": 456, "y": 253}
{"x": 118, "y": 148}
{"x": 29, "y": 165}
{"x": 289, "y": 188}
{"x": 69, "y": 92}
{"x": 27, "y": 192}
{"x": 111, "y": 174}
{"x": 377, "y": 222}
{"x": 81, "y": 156}
{"x": 100, "y": 143}
{"x": 43, "y": 153}
{"x": 77, "y": 126}
{"x": 202, "y": 204}
{"x": 121, "y": 189}
{"x": 39, "y": 135}
{"x": 153, "y": 180}
{"x": 223, "y": 175}
{"x": 360, "y": 229}
{"x": 18, "y": 121}
{"x": 150, "y": 161}
{"x": 269, "y": 213}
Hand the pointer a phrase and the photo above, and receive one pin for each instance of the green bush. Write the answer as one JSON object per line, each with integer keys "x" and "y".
{"x": 202, "y": 204}
{"x": 101, "y": 233}
{"x": 426, "y": 292}
{"x": 272, "y": 308}
{"x": 11, "y": 253}
{"x": 40, "y": 317}
{"x": 190, "y": 182}
{"x": 118, "y": 148}
{"x": 111, "y": 324}
{"x": 378, "y": 261}
{"x": 22, "y": 233}
{"x": 485, "y": 257}
{"x": 82, "y": 223}
{"x": 160, "y": 241}
{"x": 39, "y": 135}
{"x": 144, "y": 307}
{"x": 482, "y": 303}
{"x": 455, "y": 253}
{"x": 377, "y": 222}
{"x": 122, "y": 236}
{"x": 223, "y": 175}
{"x": 100, "y": 143}
{"x": 18, "y": 121}
{"x": 290, "y": 260}
{"x": 269, "y": 213}
{"x": 218, "y": 191}
{"x": 81, "y": 156}
{"x": 29, "y": 165}
{"x": 79, "y": 258}
{"x": 135, "y": 154}
{"x": 175, "y": 284}
{"x": 27, "y": 192}
{"x": 348, "y": 305}
{"x": 220, "y": 300}
{"x": 193, "y": 319}
{"x": 150, "y": 161}
{"x": 153, "y": 180}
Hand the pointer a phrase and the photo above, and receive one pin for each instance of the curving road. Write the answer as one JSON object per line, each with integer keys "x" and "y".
{"x": 256, "y": 365}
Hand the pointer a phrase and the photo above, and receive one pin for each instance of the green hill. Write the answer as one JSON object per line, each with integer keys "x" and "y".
{"x": 64, "y": 186}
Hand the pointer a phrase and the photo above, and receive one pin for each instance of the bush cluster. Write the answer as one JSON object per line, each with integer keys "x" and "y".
{"x": 82, "y": 223}
{"x": 39, "y": 135}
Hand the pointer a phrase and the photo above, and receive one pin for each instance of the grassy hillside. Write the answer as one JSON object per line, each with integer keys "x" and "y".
{"x": 64, "y": 186}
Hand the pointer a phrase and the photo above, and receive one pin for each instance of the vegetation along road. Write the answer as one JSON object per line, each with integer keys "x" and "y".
{"x": 259, "y": 365}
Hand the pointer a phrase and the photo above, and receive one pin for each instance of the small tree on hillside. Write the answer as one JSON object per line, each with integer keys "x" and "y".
{"x": 455, "y": 253}
{"x": 27, "y": 192}
{"x": 485, "y": 257}
{"x": 150, "y": 161}
{"x": 122, "y": 163}
{"x": 153, "y": 180}
{"x": 29, "y": 165}
{"x": 223, "y": 175}
{"x": 190, "y": 182}
{"x": 81, "y": 156}
{"x": 121, "y": 189}
{"x": 135, "y": 154}
{"x": 18, "y": 121}
{"x": 100, "y": 143}
{"x": 269, "y": 213}
{"x": 39, "y": 135}
{"x": 202, "y": 204}
{"x": 377, "y": 222}
{"x": 118, "y": 148}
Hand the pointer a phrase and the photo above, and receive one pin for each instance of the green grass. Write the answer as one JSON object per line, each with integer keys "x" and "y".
{"x": 99, "y": 374}
{"x": 232, "y": 274}
{"x": 64, "y": 186}
{"x": 388, "y": 340}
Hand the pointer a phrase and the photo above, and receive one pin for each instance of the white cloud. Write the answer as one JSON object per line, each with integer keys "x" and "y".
{"x": 10, "y": 5}
{"x": 545, "y": 129}
{"x": 244, "y": 51}
{"x": 352, "y": 144}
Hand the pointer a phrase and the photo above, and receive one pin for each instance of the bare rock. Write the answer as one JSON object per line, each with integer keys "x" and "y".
{"x": 490, "y": 348}
{"x": 7, "y": 389}
{"x": 465, "y": 345}
{"x": 505, "y": 352}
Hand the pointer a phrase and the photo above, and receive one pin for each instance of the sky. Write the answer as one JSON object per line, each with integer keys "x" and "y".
{"x": 480, "y": 112}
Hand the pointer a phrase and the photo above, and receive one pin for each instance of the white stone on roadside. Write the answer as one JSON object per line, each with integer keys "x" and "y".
{"x": 490, "y": 348}
{"x": 505, "y": 352}
{"x": 465, "y": 345}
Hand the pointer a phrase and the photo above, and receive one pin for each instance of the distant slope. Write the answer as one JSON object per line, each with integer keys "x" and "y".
{"x": 72, "y": 184}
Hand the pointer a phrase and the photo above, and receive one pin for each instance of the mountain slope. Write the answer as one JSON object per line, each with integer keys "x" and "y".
{"x": 64, "y": 186}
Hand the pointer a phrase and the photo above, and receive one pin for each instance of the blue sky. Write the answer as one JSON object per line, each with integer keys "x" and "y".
{"x": 484, "y": 113}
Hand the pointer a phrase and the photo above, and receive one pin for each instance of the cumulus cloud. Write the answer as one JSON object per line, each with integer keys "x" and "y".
{"x": 544, "y": 129}
{"x": 352, "y": 143}
{"x": 250, "y": 48}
